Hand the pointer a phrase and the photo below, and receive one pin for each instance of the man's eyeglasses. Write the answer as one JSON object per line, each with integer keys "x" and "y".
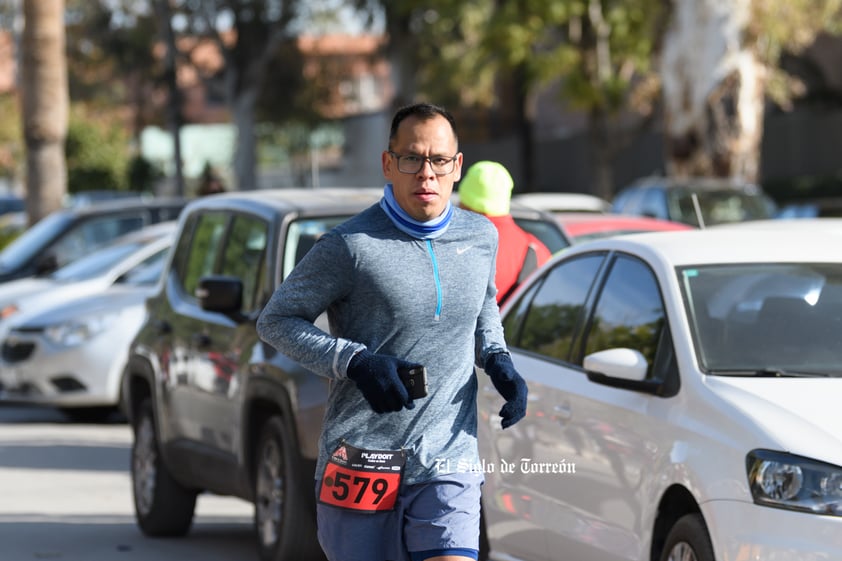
{"x": 441, "y": 165}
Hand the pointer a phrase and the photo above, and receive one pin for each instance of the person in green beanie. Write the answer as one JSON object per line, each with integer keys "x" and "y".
{"x": 486, "y": 189}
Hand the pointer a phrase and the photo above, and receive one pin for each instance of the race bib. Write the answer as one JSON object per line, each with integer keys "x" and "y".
{"x": 362, "y": 480}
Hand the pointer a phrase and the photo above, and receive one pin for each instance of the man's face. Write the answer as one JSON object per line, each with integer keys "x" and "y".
{"x": 423, "y": 195}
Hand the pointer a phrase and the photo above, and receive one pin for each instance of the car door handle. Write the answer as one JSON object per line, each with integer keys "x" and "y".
{"x": 200, "y": 340}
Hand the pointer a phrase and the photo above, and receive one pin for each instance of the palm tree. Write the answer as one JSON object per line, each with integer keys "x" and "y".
{"x": 45, "y": 105}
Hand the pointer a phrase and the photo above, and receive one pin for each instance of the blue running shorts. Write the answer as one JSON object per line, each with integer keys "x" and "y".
{"x": 437, "y": 517}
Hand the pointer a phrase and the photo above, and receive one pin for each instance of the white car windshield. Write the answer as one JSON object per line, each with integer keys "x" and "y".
{"x": 766, "y": 319}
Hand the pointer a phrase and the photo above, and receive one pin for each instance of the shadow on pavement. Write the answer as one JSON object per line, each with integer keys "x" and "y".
{"x": 98, "y": 539}
{"x": 81, "y": 456}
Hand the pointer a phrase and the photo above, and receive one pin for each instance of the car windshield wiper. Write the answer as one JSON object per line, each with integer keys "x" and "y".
{"x": 774, "y": 373}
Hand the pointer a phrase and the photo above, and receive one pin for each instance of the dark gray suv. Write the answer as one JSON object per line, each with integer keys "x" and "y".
{"x": 213, "y": 408}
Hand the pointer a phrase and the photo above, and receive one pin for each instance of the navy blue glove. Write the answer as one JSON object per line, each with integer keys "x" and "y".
{"x": 510, "y": 385}
{"x": 377, "y": 378}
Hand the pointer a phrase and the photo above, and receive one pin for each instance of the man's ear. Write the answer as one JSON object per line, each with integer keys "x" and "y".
{"x": 458, "y": 170}
{"x": 386, "y": 163}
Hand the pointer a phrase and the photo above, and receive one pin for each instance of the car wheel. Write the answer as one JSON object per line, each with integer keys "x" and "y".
{"x": 284, "y": 513}
{"x": 163, "y": 507}
{"x": 688, "y": 540}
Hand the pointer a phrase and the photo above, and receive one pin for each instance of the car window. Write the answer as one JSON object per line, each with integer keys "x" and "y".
{"x": 202, "y": 252}
{"x": 97, "y": 263}
{"x": 244, "y": 257}
{"x": 549, "y": 234}
{"x": 93, "y": 233}
{"x": 148, "y": 271}
{"x": 628, "y": 200}
{"x": 653, "y": 203}
{"x": 554, "y": 314}
{"x": 765, "y": 316}
{"x": 629, "y": 311}
{"x": 32, "y": 241}
{"x": 719, "y": 206}
{"x": 302, "y": 235}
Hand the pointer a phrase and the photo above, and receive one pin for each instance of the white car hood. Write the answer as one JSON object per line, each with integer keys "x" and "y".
{"x": 800, "y": 415}
{"x": 115, "y": 299}
{"x": 13, "y": 291}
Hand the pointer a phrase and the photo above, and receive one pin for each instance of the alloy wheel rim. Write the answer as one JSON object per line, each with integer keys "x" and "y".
{"x": 682, "y": 552}
{"x": 143, "y": 466}
{"x": 270, "y": 494}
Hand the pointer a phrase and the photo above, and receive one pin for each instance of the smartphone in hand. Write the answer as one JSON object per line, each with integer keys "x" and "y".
{"x": 415, "y": 380}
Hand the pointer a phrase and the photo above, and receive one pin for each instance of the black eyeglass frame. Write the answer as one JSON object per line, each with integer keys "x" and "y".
{"x": 401, "y": 159}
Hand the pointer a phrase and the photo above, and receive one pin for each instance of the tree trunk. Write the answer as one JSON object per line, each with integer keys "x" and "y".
{"x": 45, "y": 106}
{"x": 245, "y": 156}
{"x": 603, "y": 151}
{"x": 174, "y": 120}
{"x": 713, "y": 88}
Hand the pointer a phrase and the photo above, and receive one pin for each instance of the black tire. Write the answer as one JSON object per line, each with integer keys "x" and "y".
{"x": 163, "y": 507}
{"x": 688, "y": 540}
{"x": 284, "y": 501}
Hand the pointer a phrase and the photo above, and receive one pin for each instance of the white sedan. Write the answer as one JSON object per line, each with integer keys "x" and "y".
{"x": 684, "y": 402}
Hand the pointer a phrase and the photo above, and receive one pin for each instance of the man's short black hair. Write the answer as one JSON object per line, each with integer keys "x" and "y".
{"x": 422, "y": 111}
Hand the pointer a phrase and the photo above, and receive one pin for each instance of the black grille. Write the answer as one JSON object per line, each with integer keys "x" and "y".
{"x": 16, "y": 352}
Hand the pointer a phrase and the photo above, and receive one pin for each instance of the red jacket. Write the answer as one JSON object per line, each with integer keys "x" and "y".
{"x": 511, "y": 251}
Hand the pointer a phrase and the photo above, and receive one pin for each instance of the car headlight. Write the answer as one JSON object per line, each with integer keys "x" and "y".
{"x": 8, "y": 311}
{"x": 787, "y": 481}
{"x": 77, "y": 331}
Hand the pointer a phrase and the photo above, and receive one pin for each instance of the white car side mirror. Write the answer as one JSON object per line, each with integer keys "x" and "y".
{"x": 625, "y": 364}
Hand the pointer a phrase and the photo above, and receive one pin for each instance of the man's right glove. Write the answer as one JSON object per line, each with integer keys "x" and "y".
{"x": 377, "y": 378}
{"x": 510, "y": 385}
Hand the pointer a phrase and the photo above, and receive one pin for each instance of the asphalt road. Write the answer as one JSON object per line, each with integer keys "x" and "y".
{"x": 65, "y": 494}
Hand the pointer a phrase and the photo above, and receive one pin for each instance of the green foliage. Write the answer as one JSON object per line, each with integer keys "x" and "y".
{"x": 110, "y": 42}
{"x": 143, "y": 175}
{"x": 778, "y": 27}
{"x": 11, "y": 138}
{"x": 7, "y": 236}
{"x": 97, "y": 151}
{"x": 462, "y": 49}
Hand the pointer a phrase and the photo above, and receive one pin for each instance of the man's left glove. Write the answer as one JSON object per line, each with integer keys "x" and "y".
{"x": 510, "y": 385}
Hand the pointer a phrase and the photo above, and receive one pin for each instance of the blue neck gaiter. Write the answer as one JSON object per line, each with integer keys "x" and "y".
{"x": 405, "y": 223}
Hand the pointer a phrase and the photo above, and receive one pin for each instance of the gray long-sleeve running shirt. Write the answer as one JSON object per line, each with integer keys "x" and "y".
{"x": 426, "y": 301}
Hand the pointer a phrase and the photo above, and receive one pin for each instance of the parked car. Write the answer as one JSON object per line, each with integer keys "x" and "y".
{"x": 213, "y": 408}
{"x": 539, "y": 223}
{"x": 563, "y": 202}
{"x": 11, "y": 203}
{"x": 68, "y": 234}
{"x": 64, "y": 338}
{"x": 84, "y": 198}
{"x": 694, "y": 201}
{"x": 812, "y": 208}
{"x": 583, "y": 226}
{"x": 72, "y": 353}
{"x": 826, "y": 224}
{"x": 684, "y": 394}
{"x": 91, "y": 274}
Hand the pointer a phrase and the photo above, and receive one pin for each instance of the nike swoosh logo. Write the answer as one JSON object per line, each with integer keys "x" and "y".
{"x": 461, "y": 250}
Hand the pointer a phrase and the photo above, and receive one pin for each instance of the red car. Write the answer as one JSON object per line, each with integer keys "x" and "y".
{"x": 583, "y": 226}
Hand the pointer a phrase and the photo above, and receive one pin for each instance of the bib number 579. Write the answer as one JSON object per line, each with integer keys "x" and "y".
{"x": 359, "y": 490}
